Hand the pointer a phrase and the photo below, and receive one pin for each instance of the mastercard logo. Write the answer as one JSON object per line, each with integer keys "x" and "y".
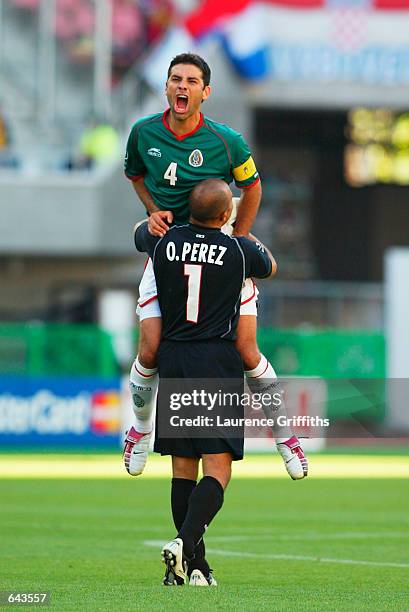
{"x": 106, "y": 412}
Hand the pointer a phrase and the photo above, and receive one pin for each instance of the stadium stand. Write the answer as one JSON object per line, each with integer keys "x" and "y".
{"x": 134, "y": 26}
{"x": 50, "y": 69}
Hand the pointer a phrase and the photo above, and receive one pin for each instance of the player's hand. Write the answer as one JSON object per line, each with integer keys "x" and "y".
{"x": 158, "y": 222}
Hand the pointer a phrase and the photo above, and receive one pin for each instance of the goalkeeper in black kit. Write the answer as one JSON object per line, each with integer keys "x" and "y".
{"x": 199, "y": 273}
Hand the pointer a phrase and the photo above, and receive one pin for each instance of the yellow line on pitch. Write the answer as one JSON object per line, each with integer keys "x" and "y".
{"x": 264, "y": 466}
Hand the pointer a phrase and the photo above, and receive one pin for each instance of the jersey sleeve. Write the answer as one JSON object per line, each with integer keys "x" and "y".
{"x": 244, "y": 169}
{"x": 134, "y": 166}
{"x": 258, "y": 263}
{"x": 144, "y": 241}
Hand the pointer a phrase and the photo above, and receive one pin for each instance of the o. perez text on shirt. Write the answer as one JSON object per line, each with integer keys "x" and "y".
{"x": 197, "y": 252}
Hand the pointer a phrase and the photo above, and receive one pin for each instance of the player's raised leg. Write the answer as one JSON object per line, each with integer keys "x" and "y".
{"x": 258, "y": 372}
{"x": 143, "y": 383}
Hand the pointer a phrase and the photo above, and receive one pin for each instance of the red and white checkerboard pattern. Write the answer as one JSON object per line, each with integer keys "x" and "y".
{"x": 349, "y": 27}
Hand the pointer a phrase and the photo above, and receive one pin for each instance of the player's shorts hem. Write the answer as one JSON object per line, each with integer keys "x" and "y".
{"x": 197, "y": 447}
{"x": 253, "y": 295}
{"x": 149, "y": 310}
{"x": 249, "y": 305}
{"x": 192, "y": 455}
{"x": 148, "y": 301}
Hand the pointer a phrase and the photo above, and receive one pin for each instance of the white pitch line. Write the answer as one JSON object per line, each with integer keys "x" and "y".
{"x": 307, "y": 536}
{"x": 234, "y": 553}
{"x": 250, "y": 555}
{"x": 312, "y": 536}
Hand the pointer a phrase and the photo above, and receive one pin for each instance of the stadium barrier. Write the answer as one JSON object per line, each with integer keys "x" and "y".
{"x": 61, "y": 384}
{"x": 56, "y": 350}
{"x": 328, "y": 354}
{"x": 63, "y": 349}
{"x": 331, "y": 356}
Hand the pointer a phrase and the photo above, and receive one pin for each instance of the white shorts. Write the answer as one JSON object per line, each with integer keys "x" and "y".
{"x": 148, "y": 305}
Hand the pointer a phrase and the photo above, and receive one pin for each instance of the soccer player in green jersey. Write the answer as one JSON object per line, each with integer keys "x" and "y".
{"x": 165, "y": 161}
{"x": 167, "y": 155}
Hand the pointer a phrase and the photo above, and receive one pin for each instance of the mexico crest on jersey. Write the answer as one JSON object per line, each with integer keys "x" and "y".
{"x": 196, "y": 158}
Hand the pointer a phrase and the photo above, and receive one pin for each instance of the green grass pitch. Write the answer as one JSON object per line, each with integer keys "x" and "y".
{"x": 320, "y": 544}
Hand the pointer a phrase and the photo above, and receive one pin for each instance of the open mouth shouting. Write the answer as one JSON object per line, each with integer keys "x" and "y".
{"x": 181, "y": 103}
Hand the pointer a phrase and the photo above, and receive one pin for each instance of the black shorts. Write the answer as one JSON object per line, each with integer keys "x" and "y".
{"x": 210, "y": 359}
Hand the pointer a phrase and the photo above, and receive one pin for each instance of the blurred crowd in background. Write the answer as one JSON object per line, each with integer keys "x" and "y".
{"x": 58, "y": 67}
{"x": 136, "y": 24}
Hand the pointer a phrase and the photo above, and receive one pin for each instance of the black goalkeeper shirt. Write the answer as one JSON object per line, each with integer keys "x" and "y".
{"x": 199, "y": 276}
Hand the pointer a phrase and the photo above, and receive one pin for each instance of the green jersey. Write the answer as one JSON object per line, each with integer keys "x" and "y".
{"x": 172, "y": 165}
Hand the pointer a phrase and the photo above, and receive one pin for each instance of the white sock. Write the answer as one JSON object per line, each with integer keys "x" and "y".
{"x": 143, "y": 383}
{"x": 256, "y": 380}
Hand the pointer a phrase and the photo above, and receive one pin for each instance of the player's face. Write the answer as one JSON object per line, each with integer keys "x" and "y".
{"x": 185, "y": 90}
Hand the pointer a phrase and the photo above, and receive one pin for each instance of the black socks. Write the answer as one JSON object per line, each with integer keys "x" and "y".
{"x": 180, "y": 493}
{"x": 204, "y": 502}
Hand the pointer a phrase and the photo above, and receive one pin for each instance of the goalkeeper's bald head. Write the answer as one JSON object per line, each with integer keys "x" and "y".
{"x": 210, "y": 202}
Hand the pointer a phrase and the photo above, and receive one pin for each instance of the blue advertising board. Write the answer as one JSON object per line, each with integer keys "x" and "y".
{"x": 59, "y": 412}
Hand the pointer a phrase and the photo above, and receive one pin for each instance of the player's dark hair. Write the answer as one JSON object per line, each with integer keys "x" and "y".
{"x": 196, "y": 60}
{"x": 209, "y": 199}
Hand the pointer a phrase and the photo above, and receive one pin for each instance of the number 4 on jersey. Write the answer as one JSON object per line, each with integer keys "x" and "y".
{"x": 170, "y": 174}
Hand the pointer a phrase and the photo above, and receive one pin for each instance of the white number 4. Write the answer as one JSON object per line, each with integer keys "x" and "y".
{"x": 194, "y": 274}
{"x": 170, "y": 174}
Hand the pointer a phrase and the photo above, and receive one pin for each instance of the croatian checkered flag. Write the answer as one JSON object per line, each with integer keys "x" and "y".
{"x": 349, "y": 23}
